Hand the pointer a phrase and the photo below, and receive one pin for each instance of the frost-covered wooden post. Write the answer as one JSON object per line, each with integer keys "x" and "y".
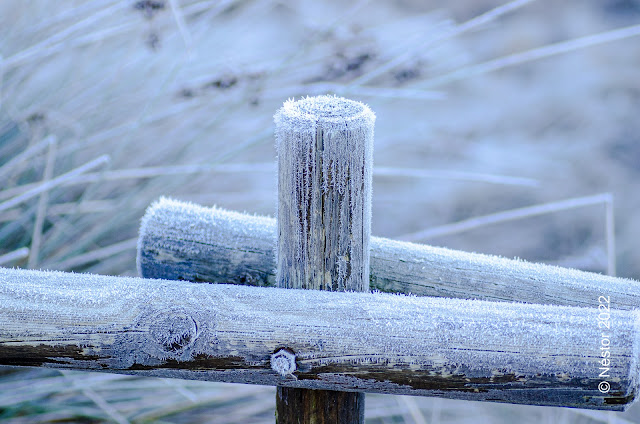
{"x": 325, "y": 161}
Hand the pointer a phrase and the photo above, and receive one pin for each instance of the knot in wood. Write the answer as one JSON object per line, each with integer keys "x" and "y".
{"x": 283, "y": 362}
{"x": 174, "y": 331}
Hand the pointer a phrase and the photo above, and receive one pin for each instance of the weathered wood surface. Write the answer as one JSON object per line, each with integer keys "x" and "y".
{"x": 325, "y": 162}
{"x": 185, "y": 241}
{"x": 369, "y": 342}
{"x": 320, "y": 406}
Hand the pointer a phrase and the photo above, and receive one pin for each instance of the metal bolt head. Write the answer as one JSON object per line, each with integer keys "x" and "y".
{"x": 283, "y": 361}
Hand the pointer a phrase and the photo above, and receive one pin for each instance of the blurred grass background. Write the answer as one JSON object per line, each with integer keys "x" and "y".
{"x": 488, "y": 116}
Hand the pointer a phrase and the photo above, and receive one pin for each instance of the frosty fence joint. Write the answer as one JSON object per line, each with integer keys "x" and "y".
{"x": 325, "y": 159}
{"x": 323, "y": 205}
{"x": 337, "y": 345}
{"x": 368, "y": 342}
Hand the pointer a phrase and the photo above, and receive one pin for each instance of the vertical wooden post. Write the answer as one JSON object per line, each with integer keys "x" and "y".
{"x": 325, "y": 162}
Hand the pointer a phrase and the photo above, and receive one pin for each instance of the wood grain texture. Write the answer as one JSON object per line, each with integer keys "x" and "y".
{"x": 366, "y": 342}
{"x": 325, "y": 162}
{"x": 320, "y": 406}
{"x": 184, "y": 241}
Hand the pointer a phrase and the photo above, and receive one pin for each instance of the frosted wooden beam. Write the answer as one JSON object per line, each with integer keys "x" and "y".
{"x": 371, "y": 342}
{"x": 325, "y": 162}
{"x": 184, "y": 241}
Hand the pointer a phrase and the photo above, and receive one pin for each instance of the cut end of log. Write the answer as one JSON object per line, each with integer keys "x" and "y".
{"x": 324, "y": 111}
{"x": 167, "y": 250}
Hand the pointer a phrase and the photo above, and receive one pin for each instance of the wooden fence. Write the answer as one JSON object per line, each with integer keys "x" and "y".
{"x": 474, "y": 327}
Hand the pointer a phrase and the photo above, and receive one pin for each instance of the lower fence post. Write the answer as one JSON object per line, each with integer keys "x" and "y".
{"x": 325, "y": 161}
{"x": 318, "y": 406}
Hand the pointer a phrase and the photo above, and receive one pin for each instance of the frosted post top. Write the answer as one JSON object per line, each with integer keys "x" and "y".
{"x": 332, "y": 110}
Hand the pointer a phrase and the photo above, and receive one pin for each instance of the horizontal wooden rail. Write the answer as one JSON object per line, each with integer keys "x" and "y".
{"x": 184, "y": 241}
{"x": 367, "y": 342}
